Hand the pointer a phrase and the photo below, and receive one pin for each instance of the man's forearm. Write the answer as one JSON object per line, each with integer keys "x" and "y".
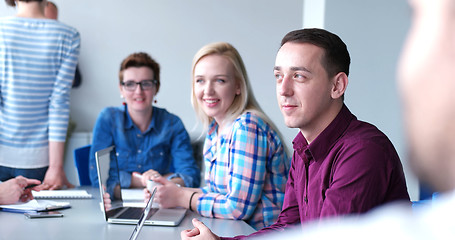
{"x": 56, "y": 152}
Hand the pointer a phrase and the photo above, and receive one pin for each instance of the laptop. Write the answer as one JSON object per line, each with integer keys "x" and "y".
{"x": 119, "y": 212}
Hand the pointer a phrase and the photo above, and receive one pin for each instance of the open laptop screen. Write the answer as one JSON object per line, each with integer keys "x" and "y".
{"x": 108, "y": 176}
{"x": 114, "y": 208}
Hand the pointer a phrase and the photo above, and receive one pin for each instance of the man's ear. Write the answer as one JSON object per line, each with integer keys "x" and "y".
{"x": 339, "y": 85}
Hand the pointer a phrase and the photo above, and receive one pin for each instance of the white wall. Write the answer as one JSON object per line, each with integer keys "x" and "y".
{"x": 374, "y": 32}
{"x": 172, "y": 31}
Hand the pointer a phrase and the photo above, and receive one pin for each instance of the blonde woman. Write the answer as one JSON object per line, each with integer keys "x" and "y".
{"x": 246, "y": 165}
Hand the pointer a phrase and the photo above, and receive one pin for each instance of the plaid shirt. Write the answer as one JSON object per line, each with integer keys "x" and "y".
{"x": 246, "y": 170}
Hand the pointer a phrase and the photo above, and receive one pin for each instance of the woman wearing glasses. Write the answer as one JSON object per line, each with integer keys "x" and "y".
{"x": 149, "y": 140}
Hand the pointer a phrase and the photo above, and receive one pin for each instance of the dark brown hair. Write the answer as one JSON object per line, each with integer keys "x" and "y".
{"x": 336, "y": 56}
{"x": 141, "y": 59}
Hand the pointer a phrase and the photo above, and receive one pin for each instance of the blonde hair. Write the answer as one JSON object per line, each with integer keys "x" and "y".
{"x": 243, "y": 102}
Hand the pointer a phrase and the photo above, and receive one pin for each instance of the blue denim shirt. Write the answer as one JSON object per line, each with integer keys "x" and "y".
{"x": 165, "y": 146}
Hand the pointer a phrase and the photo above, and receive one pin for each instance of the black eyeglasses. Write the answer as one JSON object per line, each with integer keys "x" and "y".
{"x": 145, "y": 85}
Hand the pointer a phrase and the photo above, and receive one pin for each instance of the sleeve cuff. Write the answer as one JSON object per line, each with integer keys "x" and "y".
{"x": 206, "y": 204}
{"x": 125, "y": 179}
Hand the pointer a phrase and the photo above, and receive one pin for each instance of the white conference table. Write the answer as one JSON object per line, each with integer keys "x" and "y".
{"x": 84, "y": 220}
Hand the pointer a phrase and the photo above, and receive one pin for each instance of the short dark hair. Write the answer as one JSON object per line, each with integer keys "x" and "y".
{"x": 141, "y": 59}
{"x": 336, "y": 56}
{"x": 12, "y": 3}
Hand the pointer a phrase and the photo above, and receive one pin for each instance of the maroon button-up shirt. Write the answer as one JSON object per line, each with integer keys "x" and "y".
{"x": 351, "y": 167}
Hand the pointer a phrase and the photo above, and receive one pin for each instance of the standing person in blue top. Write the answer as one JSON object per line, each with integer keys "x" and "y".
{"x": 38, "y": 57}
{"x": 149, "y": 140}
{"x": 246, "y": 165}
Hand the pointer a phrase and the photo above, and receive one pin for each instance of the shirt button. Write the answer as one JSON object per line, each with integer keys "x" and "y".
{"x": 139, "y": 135}
{"x": 139, "y": 166}
{"x": 139, "y": 151}
{"x": 305, "y": 199}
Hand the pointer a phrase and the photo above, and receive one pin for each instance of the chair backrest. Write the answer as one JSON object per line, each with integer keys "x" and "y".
{"x": 81, "y": 159}
{"x": 425, "y": 191}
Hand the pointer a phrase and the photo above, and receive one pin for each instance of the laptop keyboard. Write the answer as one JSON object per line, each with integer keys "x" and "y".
{"x": 135, "y": 213}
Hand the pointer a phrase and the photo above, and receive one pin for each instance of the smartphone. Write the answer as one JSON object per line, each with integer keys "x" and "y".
{"x": 44, "y": 214}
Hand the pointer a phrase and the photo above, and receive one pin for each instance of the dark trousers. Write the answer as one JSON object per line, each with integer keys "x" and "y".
{"x": 33, "y": 173}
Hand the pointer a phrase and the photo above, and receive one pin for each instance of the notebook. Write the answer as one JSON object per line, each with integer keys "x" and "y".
{"x": 144, "y": 215}
{"x": 108, "y": 172}
{"x": 70, "y": 193}
{"x": 35, "y": 206}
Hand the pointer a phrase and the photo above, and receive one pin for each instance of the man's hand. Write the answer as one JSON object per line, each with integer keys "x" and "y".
{"x": 199, "y": 232}
{"x": 55, "y": 179}
{"x": 14, "y": 190}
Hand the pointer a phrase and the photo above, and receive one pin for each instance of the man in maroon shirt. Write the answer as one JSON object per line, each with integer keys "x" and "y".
{"x": 340, "y": 165}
